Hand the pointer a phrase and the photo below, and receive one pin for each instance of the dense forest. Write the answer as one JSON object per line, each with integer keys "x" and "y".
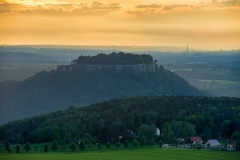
{"x": 53, "y": 90}
{"x": 175, "y": 116}
{"x": 115, "y": 58}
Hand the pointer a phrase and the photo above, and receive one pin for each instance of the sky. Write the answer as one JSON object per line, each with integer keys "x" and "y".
{"x": 208, "y": 24}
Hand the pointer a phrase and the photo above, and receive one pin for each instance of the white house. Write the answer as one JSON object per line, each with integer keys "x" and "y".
{"x": 213, "y": 143}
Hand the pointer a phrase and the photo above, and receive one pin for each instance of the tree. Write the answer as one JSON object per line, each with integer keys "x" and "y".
{"x": 46, "y": 148}
{"x": 36, "y": 148}
{"x": 54, "y": 146}
{"x": 235, "y": 136}
{"x": 183, "y": 129}
{"x": 147, "y": 131}
{"x": 117, "y": 145}
{"x": 17, "y": 147}
{"x": 151, "y": 142}
{"x": 141, "y": 141}
{"x": 135, "y": 143}
{"x": 160, "y": 143}
{"x": 55, "y": 134}
{"x": 206, "y": 134}
{"x": 7, "y": 147}
{"x": 67, "y": 139}
{"x": 224, "y": 128}
{"x": 82, "y": 145}
{"x": 115, "y": 128}
{"x": 90, "y": 146}
{"x": 143, "y": 130}
{"x": 126, "y": 143}
{"x": 63, "y": 147}
{"x": 27, "y": 147}
{"x": 167, "y": 132}
{"x": 73, "y": 146}
{"x": 99, "y": 145}
{"x": 108, "y": 145}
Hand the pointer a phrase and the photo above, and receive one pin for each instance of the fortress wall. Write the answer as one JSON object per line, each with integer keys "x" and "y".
{"x": 113, "y": 68}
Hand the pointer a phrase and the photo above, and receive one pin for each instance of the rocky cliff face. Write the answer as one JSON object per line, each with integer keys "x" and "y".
{"x": 111, "y": 68}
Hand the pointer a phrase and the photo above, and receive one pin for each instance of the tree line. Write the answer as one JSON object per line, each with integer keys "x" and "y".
{"x": 131, "y": 119}
{"x": 115, "y": 58}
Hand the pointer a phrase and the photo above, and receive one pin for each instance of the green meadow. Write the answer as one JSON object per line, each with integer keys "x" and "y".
{"x": 130, "y": 154}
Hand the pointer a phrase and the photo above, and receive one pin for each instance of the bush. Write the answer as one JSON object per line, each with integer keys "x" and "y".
{"x": 27, "y": 147}
{"x": 117, "y": 145}
{"x": 135, "y": 143}
{"x": 108, "y": 145}
{"x": 7, "y": 147}
{"x": 17, "y": 147}
{"x": 90, "y": 146}
{"x": 54, "y": 146}
{"x": 46, "y": 148}
{"x": 82, "y": 145}
{"x": 151, "y": 142}
{"x": 73, "y": 146}
{"x": 141, "y": 141}
{"x": 99, "y": 145}
{"x": 126, "y": 143}
{"x": 35, "y": 148}
{"x": 160, "y": 143}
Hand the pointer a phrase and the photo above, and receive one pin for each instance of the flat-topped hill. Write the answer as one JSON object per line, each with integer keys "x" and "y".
{"x": 50, "y": 91}
{"x": 114, "y": 62}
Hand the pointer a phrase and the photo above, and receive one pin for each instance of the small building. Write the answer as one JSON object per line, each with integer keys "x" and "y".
{"x": 196, "y": 139}
{"x": 231, "y": 144}
{"x": 180, "y": 140}
{"x": 213, "y": 143}
{"x": 157, "y": 132}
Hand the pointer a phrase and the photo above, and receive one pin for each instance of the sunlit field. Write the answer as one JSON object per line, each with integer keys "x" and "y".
{"x": 139, "y": 154}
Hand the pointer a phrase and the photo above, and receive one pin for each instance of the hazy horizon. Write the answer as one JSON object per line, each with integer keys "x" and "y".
{"x": 130, "y": 48}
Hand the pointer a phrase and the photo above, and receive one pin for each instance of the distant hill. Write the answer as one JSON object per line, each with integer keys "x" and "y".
{"x": 50, "y": 91}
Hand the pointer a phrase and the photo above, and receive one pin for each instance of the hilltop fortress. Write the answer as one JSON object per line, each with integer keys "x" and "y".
{"x": 114, "y": 68}
{"x": 114, "y": 62}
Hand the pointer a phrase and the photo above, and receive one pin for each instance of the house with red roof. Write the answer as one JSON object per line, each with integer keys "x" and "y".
{"x": 196, "y": 140}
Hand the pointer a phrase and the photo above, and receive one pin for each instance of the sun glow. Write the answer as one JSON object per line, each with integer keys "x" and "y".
{"x": 36, "y": 2}
{"x": 125, "y": 22}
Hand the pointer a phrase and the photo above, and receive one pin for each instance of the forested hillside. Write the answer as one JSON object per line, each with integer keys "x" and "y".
{"x": 175, "y": 116}
{"x": 51, "y": 91}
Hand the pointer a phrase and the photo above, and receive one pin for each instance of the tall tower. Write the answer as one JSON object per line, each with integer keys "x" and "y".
{"x": 187, "y": 48}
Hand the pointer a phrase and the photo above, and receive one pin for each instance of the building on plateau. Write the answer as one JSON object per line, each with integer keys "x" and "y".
{"x": 136, "y": 68}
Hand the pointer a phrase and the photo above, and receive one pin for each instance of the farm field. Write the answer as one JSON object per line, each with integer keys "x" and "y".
{"x": 212, "y": 81}
{"x": 139, "y": 154}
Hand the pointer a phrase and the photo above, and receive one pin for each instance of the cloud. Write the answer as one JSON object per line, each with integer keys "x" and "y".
{"x": 101, "y": 6}
{"x": 226, "y": 3}
{"x": 6, "y": 7}
{"x": 58, "y": 9}
{"x": 168, "y": 8}
{"x": 158, "y": 9}
{"x": 231, "y": 2}
{"x": 214, "y": 2}
{"x": 148, "y": 6}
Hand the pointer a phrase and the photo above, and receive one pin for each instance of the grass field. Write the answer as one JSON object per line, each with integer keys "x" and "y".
{"x": 138, "y": 154}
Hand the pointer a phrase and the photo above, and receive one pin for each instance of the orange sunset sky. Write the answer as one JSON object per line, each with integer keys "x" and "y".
{"x": 198, "y": 23}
